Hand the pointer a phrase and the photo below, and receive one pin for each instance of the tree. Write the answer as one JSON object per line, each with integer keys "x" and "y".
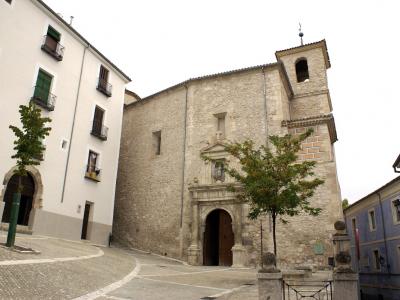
{"x": 272, "y": 181}
{"x": 29, "y": 149}
{"x": 345, "y": 203}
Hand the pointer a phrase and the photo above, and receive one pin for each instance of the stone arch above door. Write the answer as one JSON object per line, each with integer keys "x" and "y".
{"x": 37, "y": 201}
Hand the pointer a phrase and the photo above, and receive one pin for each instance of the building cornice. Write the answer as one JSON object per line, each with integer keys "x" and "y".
{"x": 277, "y": 65}
{"x": 312, "y": 121}
{"x": 320, "y": 44}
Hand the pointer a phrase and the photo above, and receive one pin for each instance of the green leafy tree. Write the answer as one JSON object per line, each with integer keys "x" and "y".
{"x": 29, "y": 149}
{"x": 345, "y": 203}
{"x": 273, "y": 181}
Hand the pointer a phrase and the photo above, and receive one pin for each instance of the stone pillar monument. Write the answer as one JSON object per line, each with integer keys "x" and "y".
{"x": 269, "y": 279}
{"x": 345, "y": 280}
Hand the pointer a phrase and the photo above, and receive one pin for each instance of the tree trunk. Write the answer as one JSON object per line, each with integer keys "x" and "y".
{"x": 274, "y": 233}
{"x": 12, "y": 226}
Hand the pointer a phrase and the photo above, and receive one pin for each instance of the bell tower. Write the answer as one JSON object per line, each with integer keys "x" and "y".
{"x": 306, "y": 68}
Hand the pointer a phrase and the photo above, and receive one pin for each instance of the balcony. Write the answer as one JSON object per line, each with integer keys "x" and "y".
{"x": 93, "y": 173}
{"x": 43, "y": 98}
{"x": 100, "y": 131}
{"x": 104, "y": 87}
{"x": 52, "y": 47}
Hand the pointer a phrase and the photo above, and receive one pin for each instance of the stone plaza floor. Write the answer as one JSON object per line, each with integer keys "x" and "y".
{"x": 78, "y": 270}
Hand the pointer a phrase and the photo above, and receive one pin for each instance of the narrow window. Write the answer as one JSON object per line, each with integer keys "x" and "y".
{"x": 396, "y": 210}
{"x": 220, "y": 124}
{"x": 372, "y": 221}
{"x": 218, "y": 171}
{"x": 302, "y": 70}
{"x": 92, "y": 170}
{"x": 103, "y": 85}
{"x": 41, "y": 94}
{"x": 157, "y": 142}
{"x": 377, "y": 260}
{"x": 98, "y": 129}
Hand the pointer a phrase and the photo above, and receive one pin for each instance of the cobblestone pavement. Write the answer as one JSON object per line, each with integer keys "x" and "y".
{"x": 60, "y": 280}
{"x": 111, "y": 273}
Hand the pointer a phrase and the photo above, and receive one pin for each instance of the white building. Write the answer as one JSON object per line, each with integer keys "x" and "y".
{"x": 43, "y": 59}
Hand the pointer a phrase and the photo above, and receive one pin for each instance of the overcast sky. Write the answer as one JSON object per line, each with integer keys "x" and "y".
{"x": 160, "y": 43}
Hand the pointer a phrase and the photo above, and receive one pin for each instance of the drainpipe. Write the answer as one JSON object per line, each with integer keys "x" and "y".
{"x": 266, "y": 136}
{"x": 265, "y": 106}
{"x": 184, "y": 156}
{"x": 384, "y": 234}
{"x": 73, "y": 123}
{"x": 183, "y": 170}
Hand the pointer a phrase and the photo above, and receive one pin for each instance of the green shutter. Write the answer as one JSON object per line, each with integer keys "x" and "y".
{"x": 43, "y": 84}
{"x": 53, "y": 33}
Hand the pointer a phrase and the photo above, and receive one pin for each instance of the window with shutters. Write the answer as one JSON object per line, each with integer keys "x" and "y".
{"x": 41, "y": 94}
{"x": 98, "y": 129}
{"x": 92, "y": 170}
{"x": 51, "y": 44}
{"x": 103, "y": 85}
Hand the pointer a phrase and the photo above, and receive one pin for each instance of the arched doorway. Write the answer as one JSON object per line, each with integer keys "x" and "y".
{"x": 26, "y": 198}
{"x": 218, "y": 239}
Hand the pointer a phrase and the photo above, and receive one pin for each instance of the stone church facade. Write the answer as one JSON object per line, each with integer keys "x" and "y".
{"x": 172, "y": 202}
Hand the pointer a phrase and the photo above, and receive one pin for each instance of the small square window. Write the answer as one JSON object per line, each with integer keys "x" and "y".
{"x": 64, "y": 144}
{"x": 157, "y": 142}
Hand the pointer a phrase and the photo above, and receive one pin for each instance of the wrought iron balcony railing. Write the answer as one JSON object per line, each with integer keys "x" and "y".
{"x": 100, "y": 131}
{"x": 52, "y": 47}
{"x": 104, "y": 87}
{"x": 42, "y": 97}
{"x": 93, "y": 173}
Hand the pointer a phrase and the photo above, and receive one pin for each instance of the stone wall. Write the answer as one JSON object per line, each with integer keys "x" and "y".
{"x": 148, "y": 198}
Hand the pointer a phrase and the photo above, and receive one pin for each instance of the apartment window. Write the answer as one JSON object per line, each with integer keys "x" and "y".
{"x": 302, "y": 70}
{"x": 396, "y": 211}
{"x": 157, "y": 142}
{"x": 371, "y": 220}
{"x": 51, "y": 44}
{"x": 218, "y": 171}
{"x": 103, "y": 85}
{"x": 92, "y": 171}
{"x": 98, "y": 129}
{"x": 377, "y": 260}
{"x": 41, "y": 94}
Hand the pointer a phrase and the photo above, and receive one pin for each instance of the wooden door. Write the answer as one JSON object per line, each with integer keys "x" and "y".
{"x": 226, "y": 239}
{"x": 85, "y": 221}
